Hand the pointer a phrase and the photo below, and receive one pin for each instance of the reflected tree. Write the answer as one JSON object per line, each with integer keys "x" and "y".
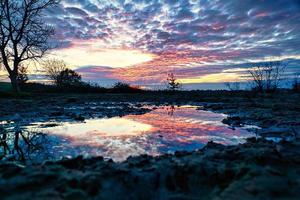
{"x": 3, "y": 142}
{"x": 171, "y": 110}
{"x": 19, "y": 145}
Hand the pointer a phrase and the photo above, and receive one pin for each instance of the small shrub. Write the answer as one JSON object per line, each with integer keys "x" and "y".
{"x": 124, "y": 87}
{"x": 68, "y": 77}
{"x": 173, "y": 84}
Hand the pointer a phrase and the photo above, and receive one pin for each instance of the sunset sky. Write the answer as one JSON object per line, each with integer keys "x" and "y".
{"x": 200, "y": 41}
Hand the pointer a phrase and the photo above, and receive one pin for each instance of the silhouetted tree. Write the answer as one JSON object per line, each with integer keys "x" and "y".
{"x": 233, "y": 86}
{"x": 23, "y": 33}
{"x": 173, "y": 84}
{"x": 53, "y": 68}
{"x": 68, "y": 77}
{"x": 267, "y": 76}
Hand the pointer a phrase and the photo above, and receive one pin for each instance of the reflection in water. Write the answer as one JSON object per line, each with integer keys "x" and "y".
{"x": 20, "y": 145}
{"x": 170, "y": 110}
{"x": 101, "y": 127}
{"x": 164, "y": 130}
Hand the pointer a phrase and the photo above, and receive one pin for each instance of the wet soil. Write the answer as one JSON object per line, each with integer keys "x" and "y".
{"x": 257, "y": 169}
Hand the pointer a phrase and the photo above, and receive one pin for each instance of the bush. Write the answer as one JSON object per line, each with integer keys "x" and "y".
{"x": 267, "y": 76}
{"x": 68, "y": 77}
{"x": 124, "y": 87}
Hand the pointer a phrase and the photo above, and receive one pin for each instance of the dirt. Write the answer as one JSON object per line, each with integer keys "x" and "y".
{"x": 257, "y": 169}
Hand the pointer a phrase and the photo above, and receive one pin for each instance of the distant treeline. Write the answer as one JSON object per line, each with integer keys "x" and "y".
{"x": 82, "y": 87}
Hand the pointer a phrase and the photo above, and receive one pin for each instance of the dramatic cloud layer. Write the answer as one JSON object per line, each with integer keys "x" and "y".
{"x": 193, "y": 38}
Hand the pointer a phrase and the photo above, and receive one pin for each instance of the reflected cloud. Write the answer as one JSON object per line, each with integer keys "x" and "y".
{"x": 164, "y": 130}
{"x": 112, "y": 127}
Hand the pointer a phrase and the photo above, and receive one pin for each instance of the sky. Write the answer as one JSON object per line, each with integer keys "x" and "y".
{"x": 204, "y": 42}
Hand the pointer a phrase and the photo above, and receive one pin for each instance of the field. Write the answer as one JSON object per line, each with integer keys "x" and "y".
{"x": 259, "y": 168}
{"x": 5, "y": 87}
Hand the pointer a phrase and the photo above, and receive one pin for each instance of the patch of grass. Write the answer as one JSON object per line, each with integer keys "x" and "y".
{"x": 14, "y": 95}
{"x": 6, "y": 91}
{"x": 5, "y": 87}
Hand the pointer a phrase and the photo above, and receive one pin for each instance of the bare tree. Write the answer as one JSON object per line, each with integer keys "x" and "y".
{"x": 233, "y": 86}
{"x": 173, "y": 84}
{"x": 53, "y": 69}
{"x": 23, "y": 33}
{"x": 267, "y": 76}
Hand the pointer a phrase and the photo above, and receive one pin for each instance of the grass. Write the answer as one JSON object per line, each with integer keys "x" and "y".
{"x": 7, "y": 92}
{"x": 5, "y": 87}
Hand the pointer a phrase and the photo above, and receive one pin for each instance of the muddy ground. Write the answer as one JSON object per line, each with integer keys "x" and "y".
{"x": 258, "y": 169}
{"x": 255, "y": 170}
{"x": 277, "y": 114}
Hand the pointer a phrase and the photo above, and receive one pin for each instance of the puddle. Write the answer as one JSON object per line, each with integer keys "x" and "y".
{"x": 164, "y": 130}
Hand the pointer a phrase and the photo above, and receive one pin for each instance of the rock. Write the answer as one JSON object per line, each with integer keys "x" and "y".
{"x": 8, "y": 170}
{"x": 75, "y": 163}
{"x": 79, "y": 118}
{"x": 91, "y": 185}
{"x": 233, "y": 121}
{"x": 213, "y": 145}
{"x": 276, "y": 132}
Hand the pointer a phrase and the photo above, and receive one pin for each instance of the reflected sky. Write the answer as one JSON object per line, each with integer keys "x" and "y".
{"x": 164, "y": 130}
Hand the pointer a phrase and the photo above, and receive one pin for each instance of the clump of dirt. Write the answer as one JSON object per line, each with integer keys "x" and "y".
{"x": 258, "y": 169}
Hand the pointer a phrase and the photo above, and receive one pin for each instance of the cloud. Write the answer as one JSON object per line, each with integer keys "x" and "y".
{"x": 155, "y": 72}
{"x": 186, "y": 33}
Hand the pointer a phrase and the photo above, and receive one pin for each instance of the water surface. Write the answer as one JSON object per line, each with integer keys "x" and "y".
{"x": 164, "y": 130}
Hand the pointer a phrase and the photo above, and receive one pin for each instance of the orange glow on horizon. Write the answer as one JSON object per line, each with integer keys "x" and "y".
{"x": 212, "y": 78}
{"x": 94, "y": 53}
